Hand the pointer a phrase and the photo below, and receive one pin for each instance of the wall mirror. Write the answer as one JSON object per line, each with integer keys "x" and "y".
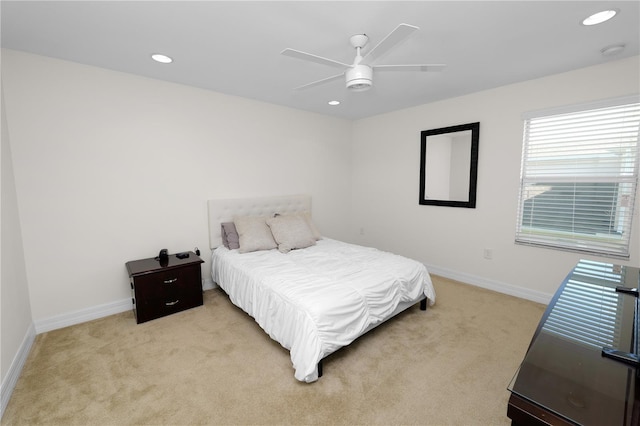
{"x": 449, "y": 165}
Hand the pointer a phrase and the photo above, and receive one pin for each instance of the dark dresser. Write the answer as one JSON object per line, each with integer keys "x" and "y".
{"x": 163, "y": 288}
{"x": 566, "y": 378}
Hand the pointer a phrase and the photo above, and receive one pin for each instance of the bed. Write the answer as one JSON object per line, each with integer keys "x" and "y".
{"x": 312, "y": 297}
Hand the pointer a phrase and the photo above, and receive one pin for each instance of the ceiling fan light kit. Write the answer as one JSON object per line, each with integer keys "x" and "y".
{"x": 359, "y": 75}
{"x": 359, "y": 78}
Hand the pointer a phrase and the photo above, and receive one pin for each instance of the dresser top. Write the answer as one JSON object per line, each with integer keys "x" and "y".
{"x": 153, "y": 264}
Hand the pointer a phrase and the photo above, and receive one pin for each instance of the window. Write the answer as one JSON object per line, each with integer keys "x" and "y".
{"x": 579, "y": 177}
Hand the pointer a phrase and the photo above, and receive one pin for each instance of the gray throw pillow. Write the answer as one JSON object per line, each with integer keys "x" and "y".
{"x": 230, "y": 237}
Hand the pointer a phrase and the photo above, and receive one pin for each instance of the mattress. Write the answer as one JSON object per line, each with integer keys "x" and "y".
{"x": 316, "y": 300}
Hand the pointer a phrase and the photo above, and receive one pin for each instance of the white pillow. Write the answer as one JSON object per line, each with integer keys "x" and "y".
{"x": 291, "y": 232}
{"x": 253, "y": 234}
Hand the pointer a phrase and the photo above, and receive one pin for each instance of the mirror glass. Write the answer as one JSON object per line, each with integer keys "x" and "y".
{"x": 449, "y": 165}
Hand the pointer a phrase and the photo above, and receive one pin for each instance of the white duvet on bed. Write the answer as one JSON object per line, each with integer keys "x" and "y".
{"x": 316, "y": 300}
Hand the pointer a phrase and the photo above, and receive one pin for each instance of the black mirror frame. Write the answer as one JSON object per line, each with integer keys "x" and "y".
{"x": 473, "y": 176}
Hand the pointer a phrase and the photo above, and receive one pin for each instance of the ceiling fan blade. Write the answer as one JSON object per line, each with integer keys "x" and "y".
{"x": 417, "y": 67}
{"x": 319, "y": 82}
{"x": 401, "y": 32}
{"x": 313, "y": 58}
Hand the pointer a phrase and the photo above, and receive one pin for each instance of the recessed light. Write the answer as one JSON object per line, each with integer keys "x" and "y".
{"x": 334, "y": 103}
{"x": 164, "y": 59}
{"x": 614, "y": 49}
{"x": 600, "y": 17}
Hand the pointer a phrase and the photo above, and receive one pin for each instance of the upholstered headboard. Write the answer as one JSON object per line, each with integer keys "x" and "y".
{"x": 223, "y": 210}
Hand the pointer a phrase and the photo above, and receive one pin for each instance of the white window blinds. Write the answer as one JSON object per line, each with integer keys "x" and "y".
{"x": 579, "y": 177}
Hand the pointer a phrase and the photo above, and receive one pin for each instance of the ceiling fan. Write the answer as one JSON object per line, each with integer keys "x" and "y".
{"x": 359, "y": 75}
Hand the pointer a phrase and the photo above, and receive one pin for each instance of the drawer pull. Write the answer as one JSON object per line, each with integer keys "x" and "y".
{"x": 170, "y": 281}
{"x": 172, "y": 303}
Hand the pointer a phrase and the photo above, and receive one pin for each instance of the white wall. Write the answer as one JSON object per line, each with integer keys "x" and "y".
{"x": 451, "y": 241}
{"x": 111, "y": 167}
{"x": 16, "y": 324}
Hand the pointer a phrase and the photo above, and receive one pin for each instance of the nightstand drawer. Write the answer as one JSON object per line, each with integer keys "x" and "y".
{"x": 152, "y": 308}
{"x": 167, "y": 284}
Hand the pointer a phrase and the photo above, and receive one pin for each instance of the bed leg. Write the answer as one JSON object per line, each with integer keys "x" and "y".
{"x": 319, "y": 369}
{"x": 423, "y": 305}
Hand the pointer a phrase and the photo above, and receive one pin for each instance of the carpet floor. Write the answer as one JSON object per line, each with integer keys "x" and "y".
{"x": 450, "y": 365}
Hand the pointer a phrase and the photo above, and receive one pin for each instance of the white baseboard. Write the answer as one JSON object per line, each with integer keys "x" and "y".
{"x": 208, "y": 284}
{"x": 10, "y": 380}
{"x": 82, "y": 315}
{"x": 500, "y": 287}
{"x": 88, "y": 314}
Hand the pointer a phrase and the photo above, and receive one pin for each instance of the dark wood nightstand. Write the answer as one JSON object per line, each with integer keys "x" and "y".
{"x": 160, "y": 289}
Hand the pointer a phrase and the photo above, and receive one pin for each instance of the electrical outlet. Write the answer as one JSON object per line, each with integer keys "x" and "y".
{"x": 488, "y": 254}
{"x": 361, "y": 231}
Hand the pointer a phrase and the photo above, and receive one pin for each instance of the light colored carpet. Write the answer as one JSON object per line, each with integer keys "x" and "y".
{"x": 450, "y": 365}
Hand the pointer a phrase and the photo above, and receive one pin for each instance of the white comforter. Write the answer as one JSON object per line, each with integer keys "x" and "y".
{"x": 316, "y": 300}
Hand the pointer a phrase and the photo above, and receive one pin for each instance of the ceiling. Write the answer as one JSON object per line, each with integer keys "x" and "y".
{"x": 234, "y": 47}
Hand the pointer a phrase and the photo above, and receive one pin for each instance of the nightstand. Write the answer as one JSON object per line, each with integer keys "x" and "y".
{"x": 160, "y": 289}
